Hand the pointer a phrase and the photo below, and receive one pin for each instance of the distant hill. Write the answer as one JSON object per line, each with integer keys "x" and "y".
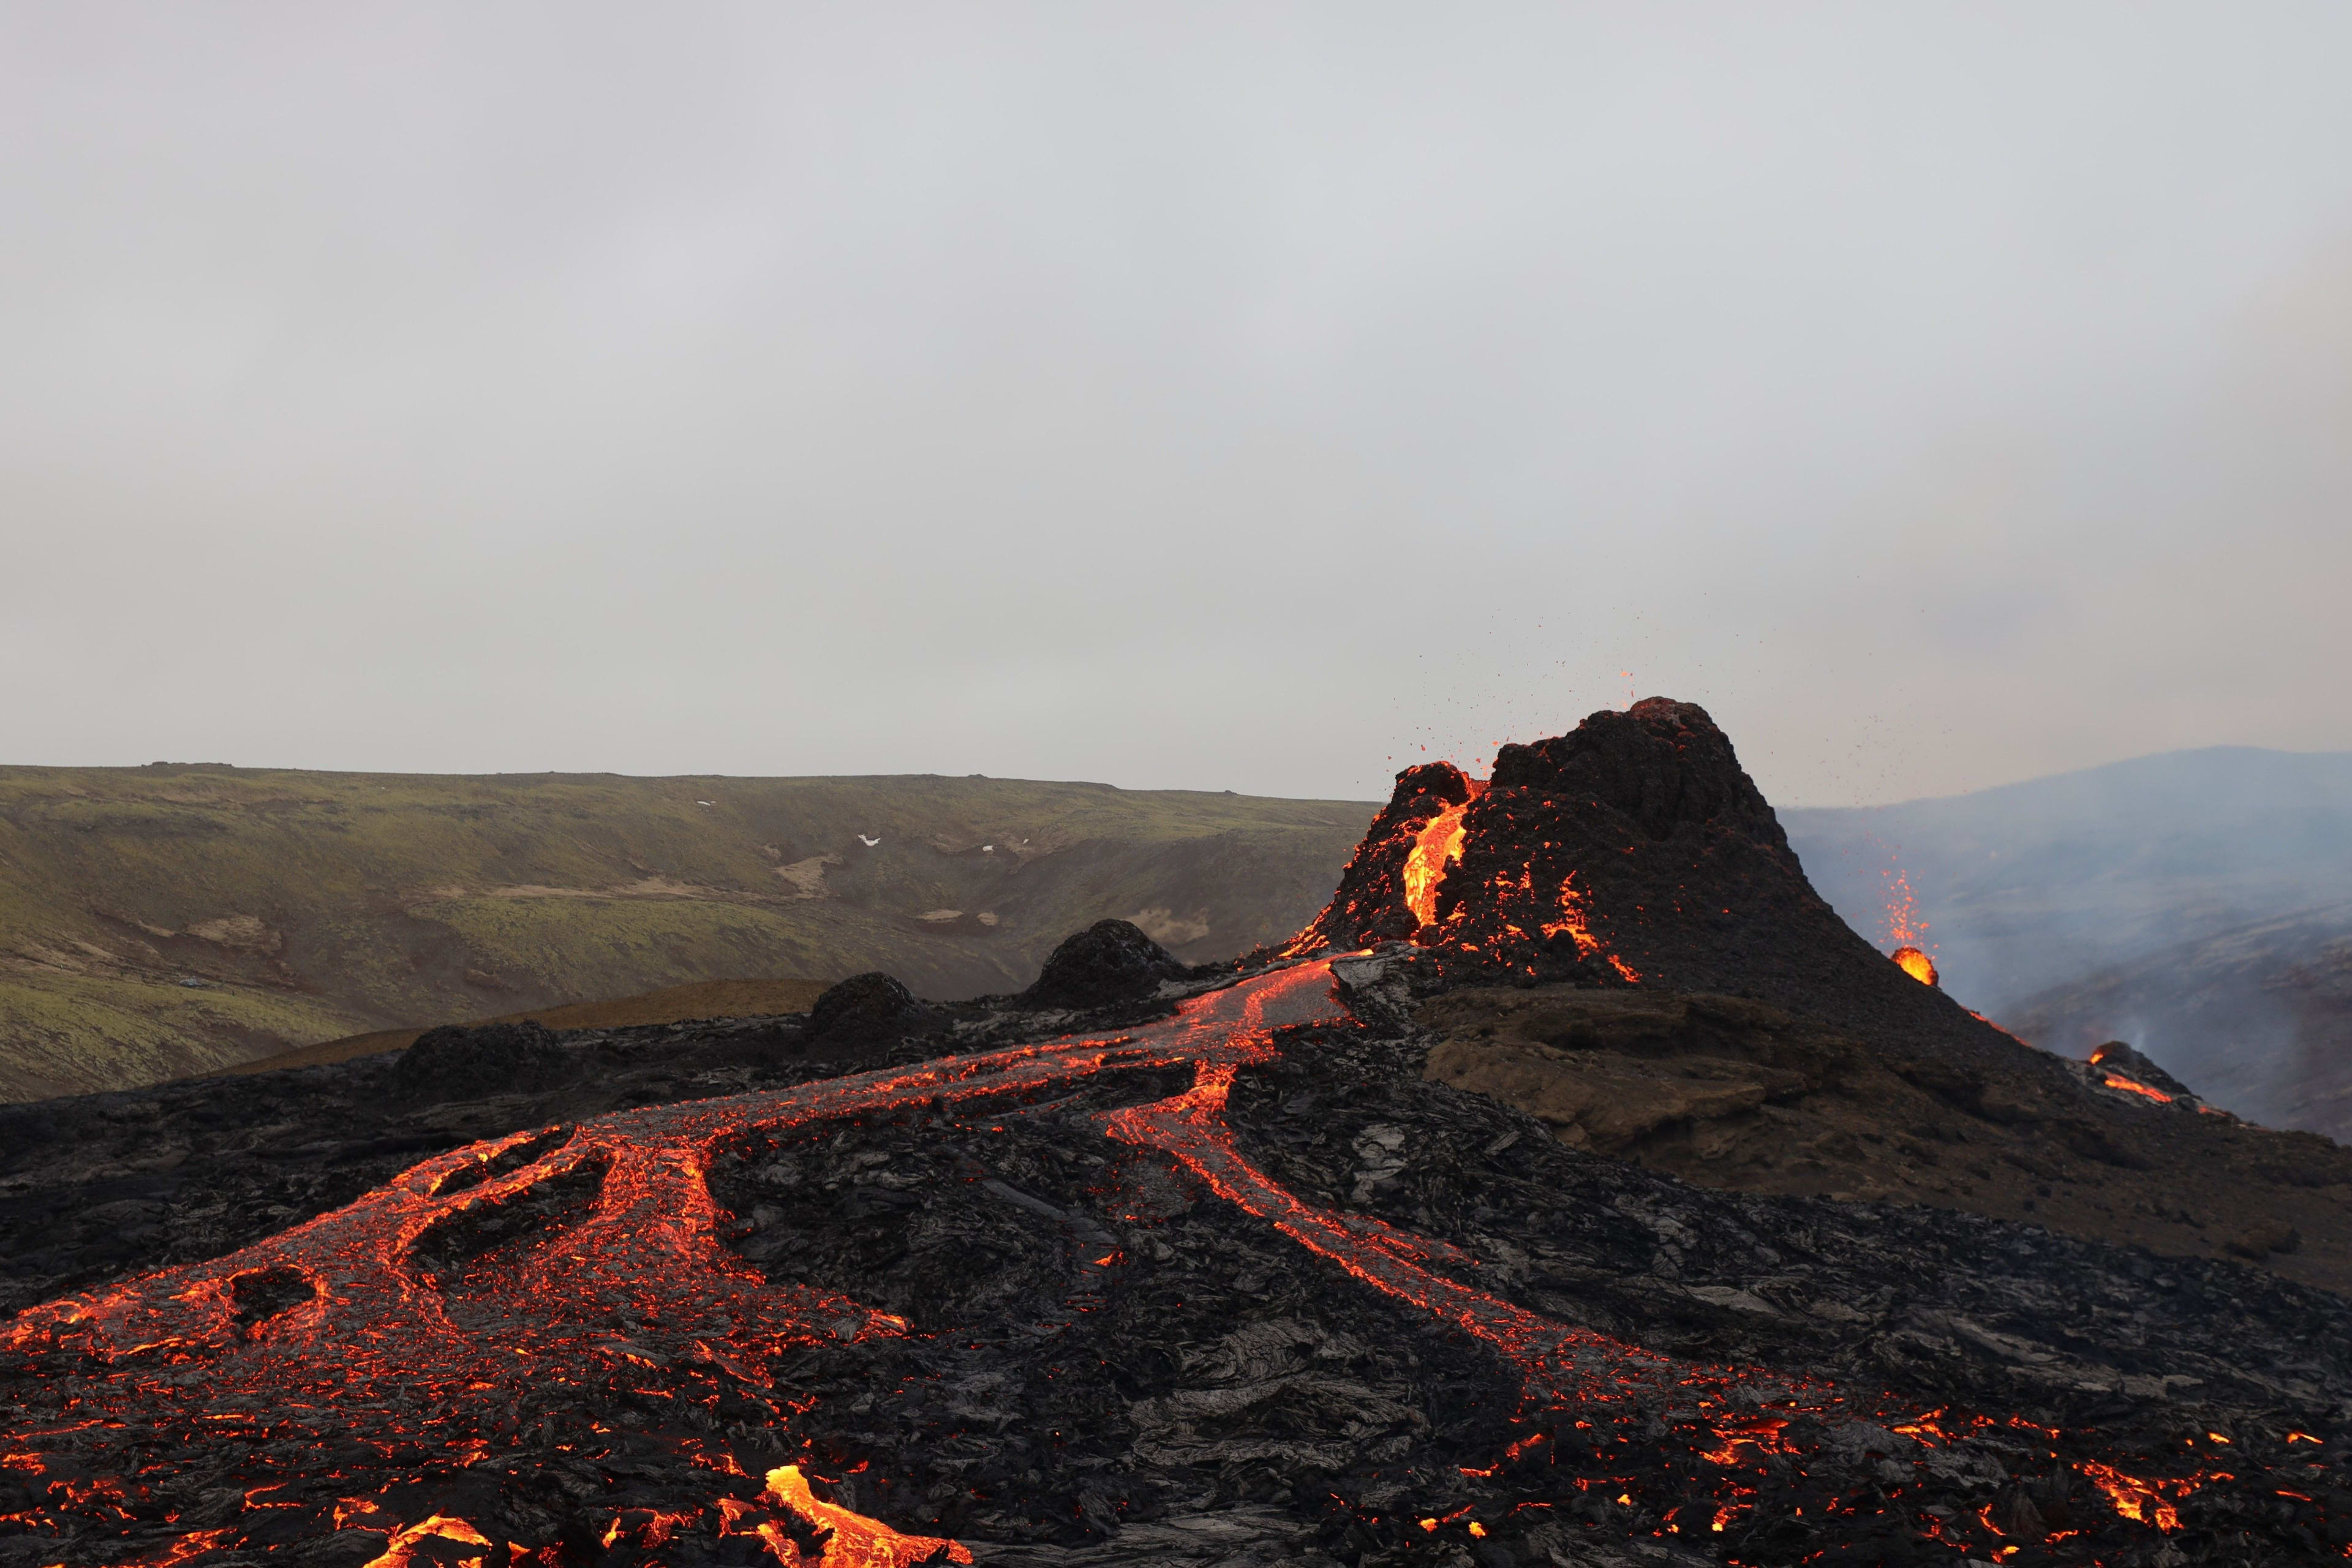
{"x": 2192, "y": 903}
{"x": 2045, "y": 883}
{"x": 181, "y": 918}
{"x": 2257, "y": 1019}
{"x": 697, "y": 1001}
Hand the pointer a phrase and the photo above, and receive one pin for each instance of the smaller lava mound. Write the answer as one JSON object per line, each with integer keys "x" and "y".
{"x": 1108, "y": 963}
{"x": 867, "y": 1009}
{"x": 455, "y": 1062}
{"x": 2120, "y": 1056}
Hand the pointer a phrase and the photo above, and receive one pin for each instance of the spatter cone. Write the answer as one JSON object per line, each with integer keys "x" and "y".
{"x": 1632, "y": 850}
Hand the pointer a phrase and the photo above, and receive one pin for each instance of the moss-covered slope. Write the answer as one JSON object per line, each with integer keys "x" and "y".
{"x": 308, "y": 906}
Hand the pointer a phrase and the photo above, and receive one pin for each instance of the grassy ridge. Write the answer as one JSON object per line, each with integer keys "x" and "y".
{"x": 314, "y": 906}
{"x": 671, "y": 1005}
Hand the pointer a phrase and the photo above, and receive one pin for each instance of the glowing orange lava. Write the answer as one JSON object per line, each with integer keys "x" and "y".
{"x": 1918, "y": 965}
{"x": 1907, "y": 933}
{"x": 379, "y": 1333}
{"x": 2135, "y": 1499}
{"x": 1437, "y": 846}
{"x": 408, "y": 1544}
{"x": 856, "y": 1541}
{"x": 1578, "y": 926}
{"x": 2119, "y": 1077}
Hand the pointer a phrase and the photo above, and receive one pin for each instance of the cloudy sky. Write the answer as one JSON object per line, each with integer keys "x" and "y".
{"x": 1189, "y": 395}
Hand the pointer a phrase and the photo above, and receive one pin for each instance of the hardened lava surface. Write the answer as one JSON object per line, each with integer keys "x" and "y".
{"x": 1234, "y": 1286}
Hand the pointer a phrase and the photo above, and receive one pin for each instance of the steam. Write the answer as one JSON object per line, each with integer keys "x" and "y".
{"x": 2170, "y": 903}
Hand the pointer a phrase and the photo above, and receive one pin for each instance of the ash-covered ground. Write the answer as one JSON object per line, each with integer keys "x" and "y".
{"x": 1148, "y": 1265}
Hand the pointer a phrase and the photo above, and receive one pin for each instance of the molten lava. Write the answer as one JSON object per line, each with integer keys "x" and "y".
{"x": 639, "y": 1298}
{"x": 1409, "y": 880}
{"x": 2130, "y": 1086}
{"x": 1904, "y": 926}
{"x": 1436, "y": 847}
{"x": 411, "y": 1543}
{"x": 856, "y": 1540}
{"x": 1577, "y": 927}
{"x": 2135, "y": 1499}
{"x": 1906, "y": 933}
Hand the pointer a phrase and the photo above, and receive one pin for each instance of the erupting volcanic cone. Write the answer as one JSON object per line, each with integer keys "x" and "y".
{"x": 1632, "y": 850}
{"x": 1917, "y": 964}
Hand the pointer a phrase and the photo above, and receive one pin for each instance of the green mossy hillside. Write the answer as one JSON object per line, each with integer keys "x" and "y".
{"x": 310, "y": 905}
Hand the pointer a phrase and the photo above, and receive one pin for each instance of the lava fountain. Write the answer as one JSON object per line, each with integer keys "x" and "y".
{"x": 1917, "y": 964}
{"x": 1906, "y": 932}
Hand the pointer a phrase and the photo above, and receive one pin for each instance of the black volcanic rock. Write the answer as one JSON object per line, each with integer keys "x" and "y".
{"x": 1661, "y": 764}
{"x": 457, "y": 1062}
{"x": 1635, "y": 848}
{"x": 1108, "y": 962}
{"x": 867, "y": 1009}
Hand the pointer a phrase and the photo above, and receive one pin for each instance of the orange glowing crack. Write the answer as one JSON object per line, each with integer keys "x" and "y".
{"x": 1760, "y": 1433}
{"x": 185, "y": 1548}
{"x": 2130, "y": 1086}
{"x": 399, "y": 1552}
{"x": 1577, "y": 923}
{"x": 1559, "y": 1361}
{"x": 2138, "y": 1500}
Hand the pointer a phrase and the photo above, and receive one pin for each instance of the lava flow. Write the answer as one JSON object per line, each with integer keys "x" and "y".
{"x": 331, "y": 1332}
{"x": 1436, "y": 846}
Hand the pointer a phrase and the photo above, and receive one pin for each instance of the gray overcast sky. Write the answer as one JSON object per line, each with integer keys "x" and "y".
{"x": 1211, "y": 396}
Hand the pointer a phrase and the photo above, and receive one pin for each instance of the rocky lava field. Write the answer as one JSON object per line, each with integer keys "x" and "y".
{"x": 1147, "y": 1265}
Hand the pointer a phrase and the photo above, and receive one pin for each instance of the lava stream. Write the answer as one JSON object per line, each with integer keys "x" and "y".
{"x": 1436, "y": 847}
{"x": 1553, "y": 1356}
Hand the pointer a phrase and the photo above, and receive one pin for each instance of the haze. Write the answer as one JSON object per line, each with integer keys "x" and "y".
{"x": 1222, "y": 397}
